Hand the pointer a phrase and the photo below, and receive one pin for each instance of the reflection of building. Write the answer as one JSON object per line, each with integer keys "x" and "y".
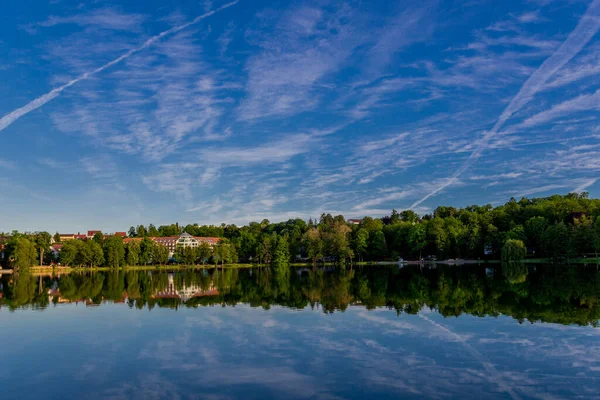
{"x": 186, "y": 292}
{"x": 54, "y": 293}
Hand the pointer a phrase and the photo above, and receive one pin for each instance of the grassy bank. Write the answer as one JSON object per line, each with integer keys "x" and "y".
{"x": 176, "y": 267}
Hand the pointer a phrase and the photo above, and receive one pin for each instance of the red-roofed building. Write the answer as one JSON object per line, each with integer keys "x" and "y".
{"x": 122, "y": 234}
{"x": 183, "y": 240}
{"x": 66, "y": 236}
{"x": 90, "y": 234}
{"x": 127, "y": 240}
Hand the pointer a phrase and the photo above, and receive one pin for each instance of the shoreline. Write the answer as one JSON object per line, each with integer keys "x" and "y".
{"x": 59, "y": 269}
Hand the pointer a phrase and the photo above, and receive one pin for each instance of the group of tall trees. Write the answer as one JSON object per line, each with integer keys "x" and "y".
{"x": 22, "y": 251}
{"x": 555, "y": 227}
{"x": 113, "y": 252}
{"x": 552, "y": 227}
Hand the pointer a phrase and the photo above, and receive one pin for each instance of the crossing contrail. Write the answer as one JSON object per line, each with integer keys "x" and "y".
{"x": 584, "y": 32}
{"x": 487, "y": 365}
{"x": 40, "y": 101}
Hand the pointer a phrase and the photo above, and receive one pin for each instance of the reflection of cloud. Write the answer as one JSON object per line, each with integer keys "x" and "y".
{"x": 238, "y": 352}
{"x": 489, "y": 367}
{"x": 152, "y": 386}
{"x": 521, "y": 342}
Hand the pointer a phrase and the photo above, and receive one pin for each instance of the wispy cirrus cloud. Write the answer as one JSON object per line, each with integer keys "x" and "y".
{"x": 103, "y": 18}
{"x": 273, "y": 152}
{"x": 7, "y": 164}
{"x": 40, "y": 101}
{"x": 287, "y": 75}
{"x": 584, "y": 102}
{"x": 586, "y": 29}
{"x": 156, "y": 103}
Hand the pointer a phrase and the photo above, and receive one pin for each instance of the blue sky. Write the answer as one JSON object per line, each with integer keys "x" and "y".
{"x": 120, "y": 113}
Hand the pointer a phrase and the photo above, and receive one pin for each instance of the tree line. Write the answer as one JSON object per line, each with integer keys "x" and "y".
{"x": 555, "y": 227}
{"x": 22, "y": 251}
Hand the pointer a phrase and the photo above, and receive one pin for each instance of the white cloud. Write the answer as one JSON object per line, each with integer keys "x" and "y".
{"x": 104, "y": 18}
{"x": 584, "y": 102}
{"x": 276, "y": 151}
{"x": 586, "y": 29}
{"x": 307, "y": 45}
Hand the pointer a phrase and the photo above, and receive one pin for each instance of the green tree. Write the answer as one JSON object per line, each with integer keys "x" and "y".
{"x": 153, "y": 232}
{"x": 409, "y": 216}
{"x": 187, "y": 255}
{"x": 394, "y": 217}
{"x": 583, "y": 235}
{"x": 339, "y": 245}
{"x": 534, "y": 229}
{"x": 232, "y": 256}
{"x": 371, "y": 225}
{"x": 313, "y": 244}
{"x": 361, "y": 242}
{"x": 96, "y": 254}
{"x": 68, "y": 253}
{"x": 438, "y": 237}
{"x": 378, "y": 245}
{"x": 141, "y": 231}
{"x": 161, "y": 254}
{"x": 42, "y": 241}
{"x": 513, "y": 250}
{"x": 147, "y": 248}
{"x": 56, "y": 237}
{"x": 204, "y": 252}
{"x": 263, "y": 251}
{"x": 596, "y": 237}
{"x": 220, "y": 253}
{"x": 114, "y": 252}
{"x": 98, "y": 238}
{"x": 24, "y": 254}
{"x": 417, "y": 239}
{"x": 557, "y": 239}
{"x": 132, "y": 252}
{"x": 281, "y": 253}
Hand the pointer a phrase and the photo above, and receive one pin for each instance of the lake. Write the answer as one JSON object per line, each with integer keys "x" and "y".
{"x": 505, "y": 332}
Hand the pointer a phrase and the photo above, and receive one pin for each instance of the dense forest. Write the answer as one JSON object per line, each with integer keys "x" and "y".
{"x": 556, "y": 227}
{"x": 547, "y": 294}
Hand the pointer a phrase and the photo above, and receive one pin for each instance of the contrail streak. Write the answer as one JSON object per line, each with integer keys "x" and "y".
{"x": 587, "y": 27}
{"x": 487, "y": 365}
{"x": 40, "y": 101}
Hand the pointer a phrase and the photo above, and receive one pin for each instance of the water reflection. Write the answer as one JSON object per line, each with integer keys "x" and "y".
{"x": 562, "y": 294}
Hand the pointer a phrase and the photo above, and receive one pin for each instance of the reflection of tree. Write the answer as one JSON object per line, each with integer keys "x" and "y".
{"x": 549, "y": 294}
{"x": 514, "y": 272}
{"x": 282, "y": 278}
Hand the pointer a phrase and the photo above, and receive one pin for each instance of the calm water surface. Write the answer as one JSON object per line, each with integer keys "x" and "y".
{"x": 448, "y": 332}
